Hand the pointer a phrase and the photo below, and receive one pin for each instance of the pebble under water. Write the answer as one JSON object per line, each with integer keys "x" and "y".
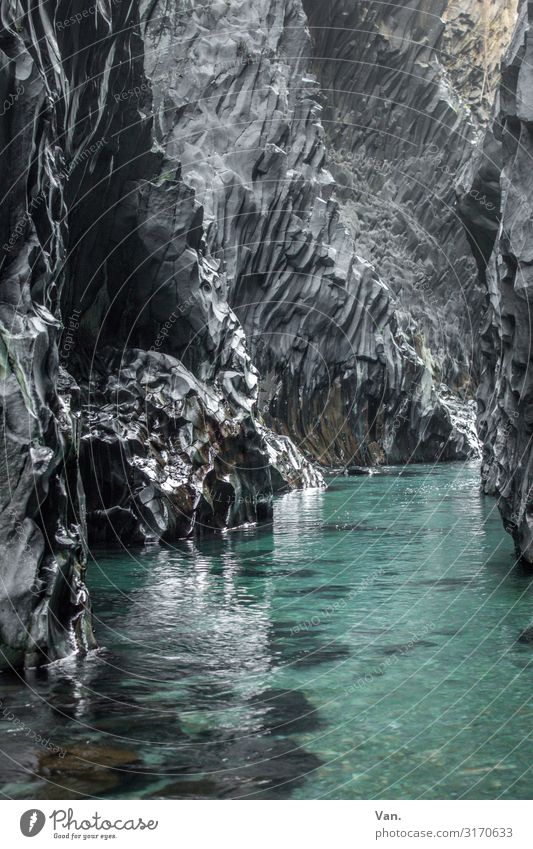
{"x": 363, "y": 646}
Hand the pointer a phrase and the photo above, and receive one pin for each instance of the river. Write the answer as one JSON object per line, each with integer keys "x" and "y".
{"x": 364, "y": 645}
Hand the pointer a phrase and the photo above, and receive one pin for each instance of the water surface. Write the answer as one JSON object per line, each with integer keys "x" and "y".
{"x": 363, "y": 646}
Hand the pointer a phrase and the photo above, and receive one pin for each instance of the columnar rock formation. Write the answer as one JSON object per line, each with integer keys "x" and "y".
{"x": 408, "y": 89}
{"x": 331, "y": 202}
{"x": 229, "y": 248}
{"x": 506, "y": 386}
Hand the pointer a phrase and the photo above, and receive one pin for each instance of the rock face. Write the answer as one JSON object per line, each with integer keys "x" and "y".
{"x": 506, "y": 387}
{"x": 408, "y": 89}
{"x": 128, "y": 396}
{"x": 331, "y": 201}
{"x": 220, "y": 261}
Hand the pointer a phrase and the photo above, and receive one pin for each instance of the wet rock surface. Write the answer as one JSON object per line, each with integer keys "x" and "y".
{"x": 342, "y": 277}
{"x": 209, "y": 283}
{"x": 506, "y": 389}
{"x": 129, "y": 396}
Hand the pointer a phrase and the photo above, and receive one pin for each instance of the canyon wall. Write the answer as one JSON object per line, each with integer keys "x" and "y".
{"x": 506, "y": 385}
{"x": 129, "y": 398}
{"x": 325, "y": 158}
{"x": 230, "y": 251}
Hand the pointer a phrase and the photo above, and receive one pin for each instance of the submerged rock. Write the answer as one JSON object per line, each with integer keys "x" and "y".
{"x": 83, "y": 771}
{"x": 526, "y": 636}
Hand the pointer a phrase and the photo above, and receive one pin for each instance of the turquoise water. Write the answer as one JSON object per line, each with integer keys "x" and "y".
{"x": 364, "y": 646}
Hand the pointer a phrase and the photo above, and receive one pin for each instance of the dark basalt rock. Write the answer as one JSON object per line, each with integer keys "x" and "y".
{"x": 356, "y": 308}
{"x": 205, "y": 280}
{"x": 129, "y": 398}
{"x": 175, "y": 459}
{"x": 505, "y": 397}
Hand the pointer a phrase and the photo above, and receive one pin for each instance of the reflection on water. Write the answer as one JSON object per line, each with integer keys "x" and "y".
{"x": 364, "y": 646}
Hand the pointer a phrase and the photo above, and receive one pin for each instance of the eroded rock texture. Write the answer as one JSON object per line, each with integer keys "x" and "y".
{"x": 506, "y": 387}
{"x": 332, "y": 203}
{"x": 229, "y": 246}
{"x": 407, "y": 91}
{"x": 128, "y": 396}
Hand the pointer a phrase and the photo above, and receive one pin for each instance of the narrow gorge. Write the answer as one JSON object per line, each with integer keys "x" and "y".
{"x": 266, "y": 481}
{"x": 246, "y": 245}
